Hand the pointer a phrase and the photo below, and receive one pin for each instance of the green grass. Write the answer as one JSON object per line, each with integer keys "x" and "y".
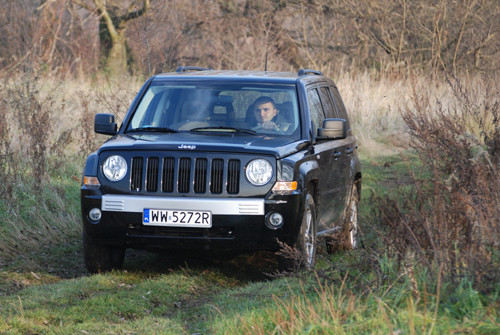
{"x": 188, "y": 300}
{"x": 44, "y": 288}
{"x": 115, "y": 302}
{"x": 31, "y": 218}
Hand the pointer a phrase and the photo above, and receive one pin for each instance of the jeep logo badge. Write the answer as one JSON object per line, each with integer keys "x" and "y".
{"x": 189, "y": 146}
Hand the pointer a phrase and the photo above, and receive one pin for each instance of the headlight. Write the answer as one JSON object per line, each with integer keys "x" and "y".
{"x": 114, "y": 168}
{"x": 259, "y": 172}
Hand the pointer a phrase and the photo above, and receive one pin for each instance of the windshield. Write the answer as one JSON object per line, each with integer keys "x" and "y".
{"x": 209, "y": 108}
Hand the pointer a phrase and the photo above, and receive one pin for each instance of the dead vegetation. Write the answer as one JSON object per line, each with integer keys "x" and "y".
{"x": 450, "y": 219}
{"x": 388, "y": 58}
{"x": 71, "y": 38}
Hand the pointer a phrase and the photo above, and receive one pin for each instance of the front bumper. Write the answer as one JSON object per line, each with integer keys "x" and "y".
{"x": 237, "y": 223}
{"x": 136, "y": 204}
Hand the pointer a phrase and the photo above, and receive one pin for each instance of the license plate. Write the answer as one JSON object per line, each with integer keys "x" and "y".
{"x": 176, "y": 218}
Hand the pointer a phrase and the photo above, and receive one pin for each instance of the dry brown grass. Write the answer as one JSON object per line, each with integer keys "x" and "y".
{"x": 376, "y": 101}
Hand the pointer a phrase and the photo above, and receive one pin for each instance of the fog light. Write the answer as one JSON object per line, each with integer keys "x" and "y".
{"x": 274, "y": 220}
{"x": 95, "y": 214}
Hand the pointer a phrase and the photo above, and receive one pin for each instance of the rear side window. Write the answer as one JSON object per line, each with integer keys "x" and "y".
{"x": 315, "y": 108}
{"x": 340, "y": 106}
{"x": 329, "y": 106}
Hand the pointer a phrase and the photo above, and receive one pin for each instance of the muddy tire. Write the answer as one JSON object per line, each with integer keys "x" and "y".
{"x": 348, "y": 237}
{"x": 305, "y": 246}
{"x": 350, "y": 230}
{"x": 101, "y": 258}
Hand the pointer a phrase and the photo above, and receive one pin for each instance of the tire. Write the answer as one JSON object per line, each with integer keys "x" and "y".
{"x": 347, "y": 237}
{"x": 351, "y": 226}
{"x": 305, "y": 246}
{"x": 101, "y": 258}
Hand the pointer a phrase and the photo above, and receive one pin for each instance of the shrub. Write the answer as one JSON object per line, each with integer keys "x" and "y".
{"x": 452, "y": 219}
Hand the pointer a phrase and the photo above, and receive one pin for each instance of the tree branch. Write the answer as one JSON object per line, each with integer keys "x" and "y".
{"x": 103, "y": 11}
{"x": 84, "y": 5}
{"x": 146, "y": 5}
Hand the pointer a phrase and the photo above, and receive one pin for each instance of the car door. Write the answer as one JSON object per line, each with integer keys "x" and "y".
{"x": 340, "y": 159}
{"x": 331, "y": 161}
{"x": 351, "y": 143}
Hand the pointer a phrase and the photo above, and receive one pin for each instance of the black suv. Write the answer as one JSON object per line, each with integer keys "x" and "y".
{"x": 223, "y": 160}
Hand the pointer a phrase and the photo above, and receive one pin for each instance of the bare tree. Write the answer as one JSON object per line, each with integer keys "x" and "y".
{"x": 79, "y": 36}
{"x": 158, "y": 39}
{"x": 46, "y": 37}
{"x": 443, "y": 35}
{"x": 218, "y": 34}
{"x": 17, "y": 22}
{"x": 113, "y": 22}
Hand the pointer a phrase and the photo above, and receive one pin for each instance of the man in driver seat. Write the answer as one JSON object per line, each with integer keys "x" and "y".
{"x": 268, "y": 116}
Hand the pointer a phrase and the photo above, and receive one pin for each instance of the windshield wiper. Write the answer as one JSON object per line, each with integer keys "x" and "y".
{"x": 152, "y": 129}
{"x": 225, "y": 129}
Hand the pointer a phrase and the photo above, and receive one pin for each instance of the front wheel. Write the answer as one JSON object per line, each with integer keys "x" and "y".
{"x": 306, "y": 241}
{"x": 101, "y": 258}
{"x": 303, "y": 255}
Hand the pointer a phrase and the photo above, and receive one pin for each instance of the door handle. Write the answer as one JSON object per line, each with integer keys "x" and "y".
{"x": 349, "y": 151}
{"x": 337, "y": 154}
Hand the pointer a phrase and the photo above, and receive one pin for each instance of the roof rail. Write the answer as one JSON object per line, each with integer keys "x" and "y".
{"x": 191, "y": 68}
{"x": 304, "y": 72}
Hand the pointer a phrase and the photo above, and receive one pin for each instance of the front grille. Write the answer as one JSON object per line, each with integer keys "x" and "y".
{"x": 185, "y": 175}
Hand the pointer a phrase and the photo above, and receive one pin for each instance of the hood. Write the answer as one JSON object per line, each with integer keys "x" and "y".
{"x": 276, "y": 146}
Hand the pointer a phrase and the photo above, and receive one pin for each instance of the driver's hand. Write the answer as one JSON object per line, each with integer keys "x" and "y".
{"x": 270, "y": 125}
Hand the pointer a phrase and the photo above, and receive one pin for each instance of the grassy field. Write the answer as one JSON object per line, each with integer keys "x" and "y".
{"x": 44, "y": 287}
{"x": 47, "y": 290}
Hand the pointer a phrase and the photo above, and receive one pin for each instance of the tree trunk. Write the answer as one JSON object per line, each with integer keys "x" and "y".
{"x": 112, "y": 27}
{"x": 113, "y": 49}
{"x": 116, "y": 62}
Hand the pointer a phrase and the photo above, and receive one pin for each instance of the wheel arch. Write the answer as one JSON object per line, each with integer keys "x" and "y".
{"x": 308, "y": 178}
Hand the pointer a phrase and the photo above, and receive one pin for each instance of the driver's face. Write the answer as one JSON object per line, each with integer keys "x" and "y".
{"x": 265, "y": 112}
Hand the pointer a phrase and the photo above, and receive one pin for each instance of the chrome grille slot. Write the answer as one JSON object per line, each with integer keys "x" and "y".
{"x": 168, "y": 174}
{"x": 136, "y": 174}
{"x": 233, "y": 176}
{"x": 184, "y": 176}
{"x": 200, "y": 175}
{"x": 152, "y": 174}
{"x": 217, "y": 175}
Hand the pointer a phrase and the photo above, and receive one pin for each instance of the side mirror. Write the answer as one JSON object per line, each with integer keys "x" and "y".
{"x": 333, "y": 129}
{"x": 105, "y": 124}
